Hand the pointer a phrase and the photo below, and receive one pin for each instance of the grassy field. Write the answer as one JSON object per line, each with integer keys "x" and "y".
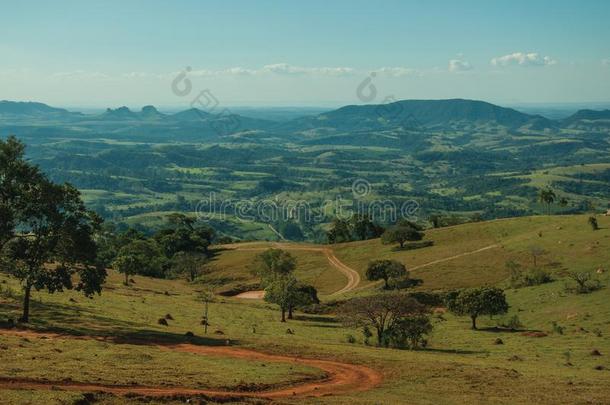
{"x": 458, "y": 366}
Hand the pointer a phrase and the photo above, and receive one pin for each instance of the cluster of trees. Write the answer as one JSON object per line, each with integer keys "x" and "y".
{"x": 402, "y": 321}
{"x": 179, "y": 249}
{"x": 358, "y": 227}
{"x": 276, "y": 268}
{"x": 47, "y": 236}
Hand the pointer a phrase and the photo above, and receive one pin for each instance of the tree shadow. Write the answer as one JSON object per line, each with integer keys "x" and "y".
{"x": 497, "y": 329}
{"x": 452, "y": 351}
{"x": 315, "y": 318}
{"x": 78, "y": 322}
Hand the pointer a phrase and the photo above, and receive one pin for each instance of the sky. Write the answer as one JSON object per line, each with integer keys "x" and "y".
{"x": 314, "y": 53}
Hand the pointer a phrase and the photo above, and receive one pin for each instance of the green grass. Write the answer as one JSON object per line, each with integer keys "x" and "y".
{"x": 459, "y": 365}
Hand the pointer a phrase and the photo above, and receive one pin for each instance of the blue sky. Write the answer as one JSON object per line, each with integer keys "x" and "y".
{"x": 76, "y": 53}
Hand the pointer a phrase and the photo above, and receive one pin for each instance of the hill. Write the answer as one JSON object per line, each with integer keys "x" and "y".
{"x": 413, "y": 114}
{"x": 558, "y": 355}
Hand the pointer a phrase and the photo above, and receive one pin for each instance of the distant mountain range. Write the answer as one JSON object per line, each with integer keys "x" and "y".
{"x": 409, "y": 115}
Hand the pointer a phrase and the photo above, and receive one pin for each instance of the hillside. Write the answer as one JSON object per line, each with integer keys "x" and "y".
{"x": 458, "y": 365}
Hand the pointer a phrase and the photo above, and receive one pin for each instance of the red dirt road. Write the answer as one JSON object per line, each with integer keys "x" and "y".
{"x": 342, "y": 378}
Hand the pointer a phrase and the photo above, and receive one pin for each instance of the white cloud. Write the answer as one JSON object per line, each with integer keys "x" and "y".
{"x": 239, "y": 71}
{"x": 459, "y": 65}
{"x": 81, "y": 74}
{"x": 523, "y": 59}
{"x": 606, "y": 62}
{"x": 286, "y": 69}
{"x": 396, "y": 71}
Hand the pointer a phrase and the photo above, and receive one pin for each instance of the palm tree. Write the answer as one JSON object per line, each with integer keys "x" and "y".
{"x": 547, "y": 197}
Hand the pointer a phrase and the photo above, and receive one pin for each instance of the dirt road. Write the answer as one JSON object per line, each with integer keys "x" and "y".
{"x": 353, "y": 278}
{"x": 341, "y": 378}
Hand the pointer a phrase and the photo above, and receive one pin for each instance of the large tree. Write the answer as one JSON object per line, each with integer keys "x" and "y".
{"x": 381, "y": 312}
{"x": 402, "y": 232}
{"x": 386, "y": 270}
{"x": 49, "y": 236}
{"x": 474, "y": 302}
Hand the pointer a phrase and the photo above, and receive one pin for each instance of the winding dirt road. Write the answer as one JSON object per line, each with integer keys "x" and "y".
{"x": 353, "y": 277}
{"x": 341, "y": 378}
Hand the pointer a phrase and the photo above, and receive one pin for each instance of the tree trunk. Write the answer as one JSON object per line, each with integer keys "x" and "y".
{"x": 387, "y": 286}
{"x": 402, "y": 244}
{"x": 283, "y": 314}
{"x": 474, "y": 322}
{"x": 126, "y": 279}
{"x": 379, "y": 337}
{"x": 289, "y": 312}
{"x": 25, "y": 318}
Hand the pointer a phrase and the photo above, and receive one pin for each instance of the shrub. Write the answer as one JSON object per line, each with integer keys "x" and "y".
{"x": 408, "y": 332}
{"x": 536, "y": 277}
{"x": 583, "y": 283}
{"x": 512, "y": 323}
{"x": 593, "y": 223}
{"x": 557, "y": 328}
{"x": 351, "y": 338}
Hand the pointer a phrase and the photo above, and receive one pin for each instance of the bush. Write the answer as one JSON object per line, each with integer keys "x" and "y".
{"x": 584, "y": 283}
{"x": 409, "y": 332}
{"x": 351, "y": 338}
{"x": 512, "y": 323}
{"x": 536, "y": 277}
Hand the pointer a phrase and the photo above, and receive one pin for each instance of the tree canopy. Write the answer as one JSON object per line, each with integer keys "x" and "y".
{"x": 474, "y": 302}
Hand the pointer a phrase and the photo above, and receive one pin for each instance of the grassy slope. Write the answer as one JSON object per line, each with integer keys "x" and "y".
{"x": 460, "y": 366}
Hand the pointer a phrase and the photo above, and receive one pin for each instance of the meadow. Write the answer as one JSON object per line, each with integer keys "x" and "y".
{"x": 549, "y": 359}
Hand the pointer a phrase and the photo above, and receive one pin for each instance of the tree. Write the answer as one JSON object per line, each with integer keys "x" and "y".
{"x": 142, "y": 257}
{"x": 381, "y": 312}
{"x": 536, "y": 252}
{"x": 47, "y": 238}
{"x": 189, "y": 264}
{"x": 273, "y": 262}
{"x": 282, "y": 291}
{"x": 409, "y": 331}
{"x": 402, "y": 232}
{"x": 364, "y": 227}
{"x": 340, "y": 231}
{"x": 477, "y": 301}
{"x": 304, "y": 295}
{"x": 548, "y": 197}
{"x": 385, "y": 270}
{"x": 275, "y": 267}
{"x": 184, "y": 236}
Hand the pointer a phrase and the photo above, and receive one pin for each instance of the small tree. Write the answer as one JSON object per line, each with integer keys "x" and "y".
{"x": 380, "y": 312}
{"x": 593, "y": 223}
{"x": 304, "y": 295}
{"x": 547, "y": 197}
{"x": 271, "y": 263}
{"x": 386, "y": 270}
{"x": 536, "y": 252}
{"x": 584, "y": 282}
{"x": 140, "y": 257}
{"x": 477, "y": 301}
{"x": 409, "y": 331}
{"x": 402, "y": 232}
{"x": 282, "y": 291}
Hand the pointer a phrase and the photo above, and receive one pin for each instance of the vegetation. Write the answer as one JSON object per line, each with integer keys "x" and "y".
{"x": 48, "y": 236}
{"x": 474, "y": 302}
{"x": 402, "y": 232}
{"x": 397, "y": 318}
{"x": 386, "y": 270}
